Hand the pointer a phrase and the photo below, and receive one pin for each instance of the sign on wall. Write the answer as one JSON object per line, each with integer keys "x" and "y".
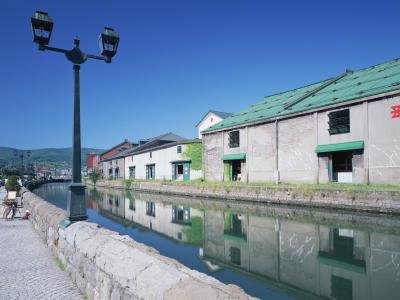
{"x": 395, "y": 111}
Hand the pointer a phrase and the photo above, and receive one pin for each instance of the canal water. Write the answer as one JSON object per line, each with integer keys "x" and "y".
{"x": 272, "y": 252}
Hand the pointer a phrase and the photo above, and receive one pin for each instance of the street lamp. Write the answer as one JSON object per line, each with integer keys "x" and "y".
{"x": 21, "y": 155}
{"x": 42, "y": 26}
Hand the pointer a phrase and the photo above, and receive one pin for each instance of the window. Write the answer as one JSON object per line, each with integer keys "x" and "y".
{"x": 235, "y": 255}
{"x": 151, "y": 154}
{"x": 150, "y": 171}
{"x": 179, "y": 149}
{"x": 116, "y": 173}
{"x": 132, "y": 204}
{"x": 234, "y": 139}
{"x": 110, "y": 162}
{"x": 150, "y": 209}
{"x": 233, "y": 225}
{"x": 339, "y": 121}
{"x": 341, "y": 288}
{"x": 180, "y": 214}
{"x": 132, "y": 172}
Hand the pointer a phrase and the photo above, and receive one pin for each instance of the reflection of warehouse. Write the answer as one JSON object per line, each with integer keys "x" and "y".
{"x": 175, "y": 221}
{"x": 326, "y": 262}
{"x": 344, "y": 129}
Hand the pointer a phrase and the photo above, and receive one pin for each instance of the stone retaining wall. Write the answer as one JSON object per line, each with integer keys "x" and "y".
{"x": 106, "y": 265}
{"x": 381, "y": 201}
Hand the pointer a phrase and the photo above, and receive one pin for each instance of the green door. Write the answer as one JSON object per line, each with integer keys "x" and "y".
{"x": 227, "y": 171}
{"x": 186, "y": 171}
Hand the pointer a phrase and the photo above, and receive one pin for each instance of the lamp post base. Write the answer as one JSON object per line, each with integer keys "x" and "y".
{"x": 76, "y": 206}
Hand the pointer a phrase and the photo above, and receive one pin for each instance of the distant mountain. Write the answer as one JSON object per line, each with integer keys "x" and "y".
{"x": 52, "y": 157}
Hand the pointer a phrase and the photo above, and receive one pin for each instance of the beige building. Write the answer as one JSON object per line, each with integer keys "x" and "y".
{"x": 212, "y": 117}
{"x": 344, "y": 129}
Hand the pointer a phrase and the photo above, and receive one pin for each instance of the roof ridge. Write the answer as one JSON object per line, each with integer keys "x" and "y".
{"x": 303, "y": 86}
{"x": 317, "y": 89}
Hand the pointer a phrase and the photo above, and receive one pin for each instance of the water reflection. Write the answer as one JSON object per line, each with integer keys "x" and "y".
{"x": 271, "y": 252}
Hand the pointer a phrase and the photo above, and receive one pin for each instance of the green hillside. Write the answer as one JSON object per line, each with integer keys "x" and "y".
{"x": 53, "y": 157}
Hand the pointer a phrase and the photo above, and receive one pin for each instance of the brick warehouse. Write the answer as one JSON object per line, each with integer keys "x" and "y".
{"x": 344, "y": 129}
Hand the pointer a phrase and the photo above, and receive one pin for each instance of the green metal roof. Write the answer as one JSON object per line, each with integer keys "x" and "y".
{"x": 348, "y": 86}
{"x": 356, "y": 145}
{"x": 237, "y": 156}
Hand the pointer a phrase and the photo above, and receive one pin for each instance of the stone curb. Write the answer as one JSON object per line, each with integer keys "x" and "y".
{"x": 105, "y": 265}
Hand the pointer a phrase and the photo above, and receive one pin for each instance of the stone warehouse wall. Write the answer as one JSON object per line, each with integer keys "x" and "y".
{"x": 106, "y": 265}
{"x": 357, "y": 200}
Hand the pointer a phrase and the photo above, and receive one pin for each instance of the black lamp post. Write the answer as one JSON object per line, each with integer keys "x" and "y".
{"x": 22, "y": 155}
{"x": 42, "y": 26}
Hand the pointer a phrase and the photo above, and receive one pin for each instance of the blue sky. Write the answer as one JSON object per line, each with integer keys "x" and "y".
{"x": 177, "y": 60}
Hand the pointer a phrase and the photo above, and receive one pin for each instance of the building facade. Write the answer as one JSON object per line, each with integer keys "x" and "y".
{"x": 211, "y": 118}
{"x": 92, "y": 161}
{"x": 344, "y": 129}
{"x": 111, "y": 162}
{"x": 181, "y": 160}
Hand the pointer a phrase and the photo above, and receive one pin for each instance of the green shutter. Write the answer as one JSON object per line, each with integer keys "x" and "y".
{"x": 186, "y": 171}
{"x": 356, "y": 145}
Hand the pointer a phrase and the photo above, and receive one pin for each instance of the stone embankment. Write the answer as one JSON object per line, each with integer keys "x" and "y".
{"x": 106, "y": 265}
{"x": 378, "y": 201}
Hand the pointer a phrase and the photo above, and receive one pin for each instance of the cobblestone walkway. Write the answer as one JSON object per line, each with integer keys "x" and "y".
{"x": 27, "y": 268}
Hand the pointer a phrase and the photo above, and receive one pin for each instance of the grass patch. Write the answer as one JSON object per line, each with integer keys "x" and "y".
{"x": 305, "y": 186}
{"x": 60, "y": 264}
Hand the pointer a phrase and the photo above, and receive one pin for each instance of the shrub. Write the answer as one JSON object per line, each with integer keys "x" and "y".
{"x": 128, "y": 183}
{"x": 12, "y": 183}
{"x": 94, "y": 176}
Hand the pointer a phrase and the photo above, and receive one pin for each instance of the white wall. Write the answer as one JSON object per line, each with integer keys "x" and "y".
{"x": 162, "y": 159}
{"x": 209, "y": 120}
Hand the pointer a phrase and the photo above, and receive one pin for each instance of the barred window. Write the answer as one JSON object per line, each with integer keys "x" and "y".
{"x": 234, "y": 139}
{"x": 339, "y": 121}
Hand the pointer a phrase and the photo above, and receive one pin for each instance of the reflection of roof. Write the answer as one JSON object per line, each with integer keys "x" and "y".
{"x": 348, "y": 86}
{"x": 220, "y": 114}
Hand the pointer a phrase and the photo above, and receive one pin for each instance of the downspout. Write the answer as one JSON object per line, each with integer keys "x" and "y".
{"x": 277, "y": 172}
{"x": 248, "y": 156}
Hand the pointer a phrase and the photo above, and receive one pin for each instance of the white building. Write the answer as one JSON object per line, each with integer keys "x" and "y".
{"x": 180, "y": 160}
{"x": 211, "y": 118}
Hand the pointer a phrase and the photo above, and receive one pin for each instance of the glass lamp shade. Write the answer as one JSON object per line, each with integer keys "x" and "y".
{"x": 42, "y": 25}
{"x": 108, "y": 42}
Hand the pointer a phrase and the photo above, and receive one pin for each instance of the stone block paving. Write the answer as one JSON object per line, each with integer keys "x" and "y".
{"x": 27, "y": 268}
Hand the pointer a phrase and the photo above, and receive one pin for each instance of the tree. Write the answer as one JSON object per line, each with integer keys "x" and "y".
{"x": 94, "y": 176}
{"x": 12, "y": 183}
